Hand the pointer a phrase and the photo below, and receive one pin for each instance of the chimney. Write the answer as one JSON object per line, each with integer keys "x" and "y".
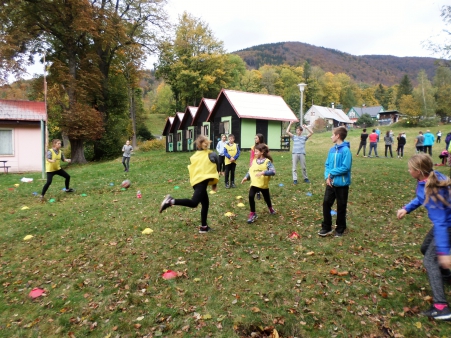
{"x": 333, "y": 105}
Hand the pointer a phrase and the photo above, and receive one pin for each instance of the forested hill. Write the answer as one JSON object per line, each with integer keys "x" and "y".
{"x": 372, "y": 69}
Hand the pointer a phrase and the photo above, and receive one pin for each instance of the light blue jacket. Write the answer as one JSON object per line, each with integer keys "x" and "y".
{"x": 338, "y": 165}
{"x": 438, "y": 213}
{"x": 428, "y": 139}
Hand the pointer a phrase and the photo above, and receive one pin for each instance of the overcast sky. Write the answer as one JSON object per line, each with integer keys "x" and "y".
{"x": 358, "y": 27}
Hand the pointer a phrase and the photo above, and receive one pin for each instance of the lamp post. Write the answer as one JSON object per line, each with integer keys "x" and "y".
{"x": 301, "y": 88}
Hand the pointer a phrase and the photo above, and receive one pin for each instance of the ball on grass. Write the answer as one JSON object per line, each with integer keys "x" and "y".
{"x": 126, "y": 184}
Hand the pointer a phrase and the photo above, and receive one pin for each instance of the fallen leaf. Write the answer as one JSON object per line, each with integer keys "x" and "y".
{"x": 239, "y": 197}
{"x": 206, "y": 316}
{"x": 343, "y": 273}
{"x": 240, "y": 205}
{"x": 310, "y": 253}
{"x": 147, "y": 231}
{"x": 255, "y": 309}
{"x": 140, "y": 318}
{"x": 229, "y": 214}
{"x": 333, "y": 272}
{"x": 28, "y": 237}
{"x": 418, "y": 325}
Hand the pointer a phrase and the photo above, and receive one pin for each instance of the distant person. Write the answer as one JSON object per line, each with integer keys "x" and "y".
{"x": 363, "y": 138}
{"x": 419, "y": 141}
{"x": 378, "y": 132}
{"x": 53, "y": 167}
{"x": 428, "y": 142}
{"x": 127, "y": 149}
{"x": 401, "y": 143}
{"x": 373, "y": 143}
{"x": 439, "y": 136}
{"x": 231, "y": 152}
{"x": 432, "y": 191}
{"x": 298, "y": 151}
{"x": 220, "y": 150}
{"x": 388, "y": 139}
{"x": 337, "y": 174}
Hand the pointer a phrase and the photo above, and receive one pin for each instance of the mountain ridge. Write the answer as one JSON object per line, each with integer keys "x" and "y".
{"x": 371, "y": 69}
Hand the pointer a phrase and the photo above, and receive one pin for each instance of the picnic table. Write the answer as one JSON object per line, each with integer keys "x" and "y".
{"x": 4, "y": 166}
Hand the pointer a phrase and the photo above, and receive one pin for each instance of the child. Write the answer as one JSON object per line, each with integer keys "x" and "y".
{"x": 338, "y": 178}
{"x": 259, "y": 138}
{"x": 203, "y": 171}
{"x": 52, "y": 167}
{"x": 374, "y": 138}
{"x": 444, "y": 156}
{"x": 401, "y": 143}
{"x": 388, "y": 139}
{"x": 298, "y": 152}
{"x": 363, "y": 138}
{"x": 127, "y": 149}
{"x": 220, "y": 149}
{"x": 231, "y": 152}
{"x": 433, "y": 192}
{"x": 260, "y": 173}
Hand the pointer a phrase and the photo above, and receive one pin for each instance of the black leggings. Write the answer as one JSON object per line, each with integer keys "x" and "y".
{"x": 221, "y": 164}
{"x": 388, "y": 147}
{"x": 200, "y": 195}
{"x": 400, "y": 150}
{"x": 265, "y": 192}
{"x": 230, "y": 168}
{"x": 50, "y": 175}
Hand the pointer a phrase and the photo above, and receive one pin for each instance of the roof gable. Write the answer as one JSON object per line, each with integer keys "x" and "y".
{"x": 372, "y": 111}
{"x": 176, "y": 123}
{"x": 329, "y": 113}
{"x": 167, "y": 126}
{"x": 256, "y": 106}
{"x": 22, "y": 110}
{"x": 207, "y": 104}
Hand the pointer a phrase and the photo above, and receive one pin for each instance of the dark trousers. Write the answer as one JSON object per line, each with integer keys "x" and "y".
{"x": 373, "y": 145}
{"x": 420, "y": 149}
{"x": 400, "y": 150}
{"x": 362, "y": 145}
{"x": 126, "y": 162}
{"x": 388, "y": 147}
{"x": 253, "y": 191}
{"x": 438, "y": 139}
{"x": 230, "y": 168}
{"x": 434, "y": 271}
{"x": 443, "y": 158}
{"x": 50, "y": 175}
{"x": 221, "y": 164}
{"x": 200, "y": 195}
{"x": 341, "y": 195}
{"x": 428, "y": 150}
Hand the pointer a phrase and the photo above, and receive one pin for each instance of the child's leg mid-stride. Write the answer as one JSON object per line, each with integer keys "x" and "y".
{"x": 267, "y": 197}
{"x": 440, "y": 309}
{"x": 200, "y": 195}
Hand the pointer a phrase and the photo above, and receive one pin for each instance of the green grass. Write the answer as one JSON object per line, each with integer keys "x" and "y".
{"x": 103, "y": 277}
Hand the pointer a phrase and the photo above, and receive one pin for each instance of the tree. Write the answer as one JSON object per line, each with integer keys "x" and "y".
{"x": 409, "y": 106}
{"x": 162, "y": 101}
{"x": 194, "y": 63}
{"x": 442, "y": 82}
{"x": 443, "y": 49}
{"x": 365, "y": 121}
{"x": 404, "y": 88}
{"x": 251, "y": 81}
{"x": 424, "y": 94}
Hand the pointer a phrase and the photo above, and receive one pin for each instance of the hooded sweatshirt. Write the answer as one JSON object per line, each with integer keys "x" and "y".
{"x": 438, "y": 213}
{"x": 338, "y": 165}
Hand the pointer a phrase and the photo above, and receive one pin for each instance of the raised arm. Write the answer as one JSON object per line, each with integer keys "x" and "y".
{"x": 310, "y": 132}
{"x": 288, "y": 129}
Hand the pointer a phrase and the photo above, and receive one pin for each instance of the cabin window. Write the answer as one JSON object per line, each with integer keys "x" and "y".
{"x": 189, "y": 134}
{"x": 179, "y": 137}
{"x": 170, "y": 138}
{"x": 205, "y": 130}
{"x": 6, "y": 142}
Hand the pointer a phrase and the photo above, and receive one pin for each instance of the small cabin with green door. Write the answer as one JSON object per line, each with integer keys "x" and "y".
{"x": 176, "y": 132}
{"x": 246, "y": 114}
{"x": 200, "y": 125}
{"x": 188, "y": 130}
{"x": 169, "y": 136}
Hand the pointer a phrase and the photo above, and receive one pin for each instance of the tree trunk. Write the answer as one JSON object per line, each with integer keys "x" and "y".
{"x": 133, "y": 116}
{"x": 77, "y": 152}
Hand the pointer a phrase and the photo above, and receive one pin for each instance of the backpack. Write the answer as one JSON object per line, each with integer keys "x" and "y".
{"x": 447, "y": 139}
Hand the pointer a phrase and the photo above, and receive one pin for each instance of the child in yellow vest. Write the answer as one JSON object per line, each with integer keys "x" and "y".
{"x": 231, "y": 153}
{"x": 52, "y": 166}
{"x": 260, "y": 173}
{"x": 203, "y": 171}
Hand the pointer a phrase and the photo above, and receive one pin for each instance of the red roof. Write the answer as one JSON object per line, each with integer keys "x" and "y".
{"x": 22, "y": 110}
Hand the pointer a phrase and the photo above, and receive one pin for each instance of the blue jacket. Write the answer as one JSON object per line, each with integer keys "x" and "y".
{"x": 438, "y": 213}
{"x": 338, "y": 165}
{"x": 428, "y": 139}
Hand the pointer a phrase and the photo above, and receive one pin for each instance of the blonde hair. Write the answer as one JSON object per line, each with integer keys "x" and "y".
{"x": 423, "y": 163}
{"x": 201, "y": 139}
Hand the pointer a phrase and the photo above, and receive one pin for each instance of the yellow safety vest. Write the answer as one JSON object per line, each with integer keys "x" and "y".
{"x": 261, "y": 181}
{"x": 231, "y": 150}
{"x": 201, "y": 168}
{"x": 55, "y": 166}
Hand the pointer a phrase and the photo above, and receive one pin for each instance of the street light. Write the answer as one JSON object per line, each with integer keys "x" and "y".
{"x": 301, "y": 88}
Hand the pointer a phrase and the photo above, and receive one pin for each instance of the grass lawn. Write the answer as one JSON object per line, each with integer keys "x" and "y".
{"x": 103, "y": 277}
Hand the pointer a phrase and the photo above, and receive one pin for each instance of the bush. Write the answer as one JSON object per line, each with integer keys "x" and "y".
{"x": 365, "y": 121}
{"x": 152, "y": 145}
{"x": 320, "y": 125}
{"x": 143, "y": 133}
{"x": 429, "y": 122}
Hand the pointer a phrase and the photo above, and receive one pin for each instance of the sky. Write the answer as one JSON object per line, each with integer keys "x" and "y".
{"x": 357, "y": 27}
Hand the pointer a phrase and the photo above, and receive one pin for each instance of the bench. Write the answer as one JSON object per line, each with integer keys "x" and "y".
{"x": 5, "y": 167}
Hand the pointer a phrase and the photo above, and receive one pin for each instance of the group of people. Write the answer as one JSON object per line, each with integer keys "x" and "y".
{"x": 388, "y": 140}
{"x": 433, "y": 191}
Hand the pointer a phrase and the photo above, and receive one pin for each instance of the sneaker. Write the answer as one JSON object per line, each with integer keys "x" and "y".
{"x": 435, "y": 313}
{"x": 204, "y": 229}
{"x": 295, "y": 181}
{"x": 233, "y": 185}
{"x": 41, "y": 199}
{"x": 227, "y": 186}
{"x": 70, "y": 190}
{"x": 357, "y": 155}
{"x": 306, "y": 180}
{"x": 272, "y": 211}
{"x": 166, "y": 203}
{"x": 324, "y": 232}
{"x": 369, "y": 156}
{"x": 365, "y": 156}
{"x": 377, "y": 156}
{"x": 259, "y": 196}
{"x": 252, "y": 217}
{"x": 338, "y": 234}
